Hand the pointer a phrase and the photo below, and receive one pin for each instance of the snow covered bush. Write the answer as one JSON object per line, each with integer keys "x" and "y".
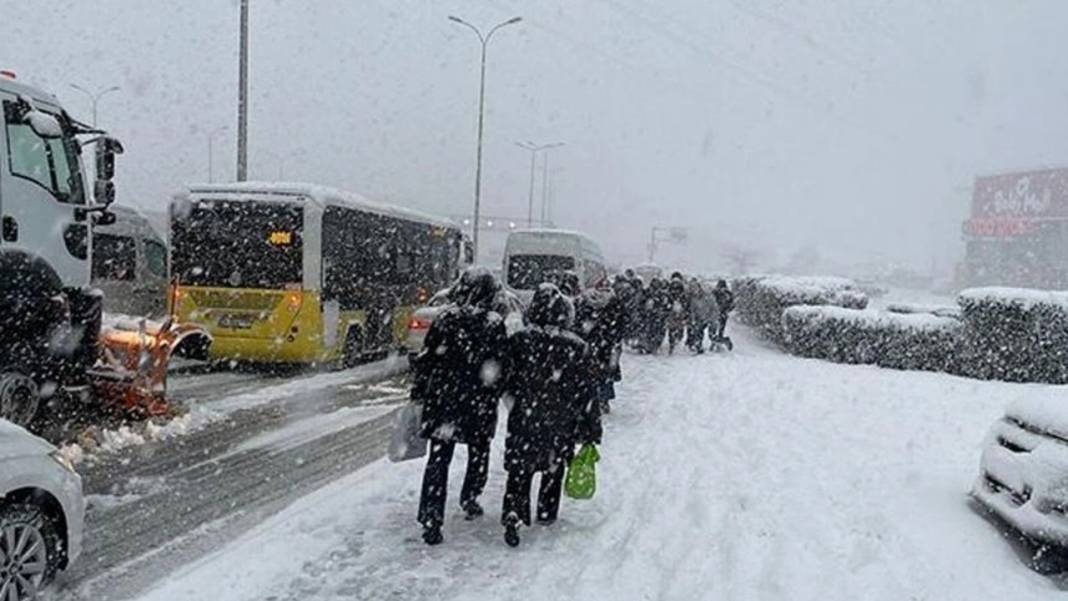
{"x": 1015, "y": 334}
{"x": 760, "y": 301}
{"x": 896, "y": 340}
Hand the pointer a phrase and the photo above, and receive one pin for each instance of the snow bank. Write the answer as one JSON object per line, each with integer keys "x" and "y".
{"x": 760, "y": 300}
{"x": 901, "y": 341}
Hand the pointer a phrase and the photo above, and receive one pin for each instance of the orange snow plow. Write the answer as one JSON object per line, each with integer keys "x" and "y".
{"x": 131, "y": 371}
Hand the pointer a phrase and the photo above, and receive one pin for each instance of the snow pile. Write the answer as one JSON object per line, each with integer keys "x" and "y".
{"x": 95, "y": 441}
{"x": 933, "y": 309}
{"x": 761, "y": 300}
{"x": 1015, "y": 334}
{"x": 900, "y": 341}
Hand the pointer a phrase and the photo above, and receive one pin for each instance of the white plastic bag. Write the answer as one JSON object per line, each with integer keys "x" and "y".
{"x": 406, "y": 443}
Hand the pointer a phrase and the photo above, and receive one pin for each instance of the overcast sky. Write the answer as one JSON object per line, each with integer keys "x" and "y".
{"x": 853, "y": 127}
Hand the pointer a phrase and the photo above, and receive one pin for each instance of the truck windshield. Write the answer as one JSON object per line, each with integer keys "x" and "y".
{"x": 526, "y": 272}
{"x": 50, "y": 163}
{"x": 238, "y": 245}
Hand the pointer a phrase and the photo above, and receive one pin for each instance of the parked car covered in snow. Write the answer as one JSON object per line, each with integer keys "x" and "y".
{"x": 41, "y": 513}
{"x": 419, "y": 324}
{"x": 1023, "y": 476}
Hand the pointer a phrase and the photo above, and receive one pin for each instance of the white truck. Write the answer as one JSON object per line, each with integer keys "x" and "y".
{"x": 49, "y": 316}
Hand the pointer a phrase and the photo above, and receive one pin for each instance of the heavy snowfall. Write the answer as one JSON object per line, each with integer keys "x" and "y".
{"x": 603, "y": 300}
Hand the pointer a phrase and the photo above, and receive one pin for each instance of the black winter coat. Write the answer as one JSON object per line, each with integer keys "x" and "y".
{"x": 725, "y": 300}
{"x": 601, "y": 321}
{"x": 460, "y": 373}
{"x": 553, "y": 406}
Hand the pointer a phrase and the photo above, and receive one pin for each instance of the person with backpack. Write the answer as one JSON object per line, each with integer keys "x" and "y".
{"x": 457, "y": 380}
{"x": 553, "y": 409}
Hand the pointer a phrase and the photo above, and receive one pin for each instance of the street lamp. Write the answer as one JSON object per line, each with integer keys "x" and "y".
{"x": 211, "y": 140}
{"x": 534, "y": 150}
{"x": 484, "y": 39}
{"x": 95, "y": 98}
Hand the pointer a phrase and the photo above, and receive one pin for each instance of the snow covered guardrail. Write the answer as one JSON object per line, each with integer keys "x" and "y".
{"x": 760, "y": 301}
{"x": 896, "y": 340}
{"x": 1015, "y": 334}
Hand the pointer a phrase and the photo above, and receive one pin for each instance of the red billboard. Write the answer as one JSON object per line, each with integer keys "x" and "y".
{"x": 1041, "y": 194}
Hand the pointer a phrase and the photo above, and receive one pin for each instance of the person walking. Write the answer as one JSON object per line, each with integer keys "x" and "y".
{"x": 600, "y": 321}
{"x": 725, "y": 304}
{"x": 703, "y": 312}
{"x": 678, "y": 310}
{"x": 553, "y": 409}
{"x": 458, "y": 382}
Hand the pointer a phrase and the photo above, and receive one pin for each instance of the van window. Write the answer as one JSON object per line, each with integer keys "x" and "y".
{"x": 114, "y": 257}
{"x": 52, "y": 163}
{"x": 156, "y": 258}
{"x": 526, "y": 272}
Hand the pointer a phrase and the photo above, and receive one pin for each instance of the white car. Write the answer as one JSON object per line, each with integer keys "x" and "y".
{"x": 1023, "y": 477}
{"x": 41, "y": 513}
{"x": 419, "y": 324}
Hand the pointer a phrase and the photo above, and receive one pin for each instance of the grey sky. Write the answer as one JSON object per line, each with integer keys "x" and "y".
{"x": 851, "y": 125}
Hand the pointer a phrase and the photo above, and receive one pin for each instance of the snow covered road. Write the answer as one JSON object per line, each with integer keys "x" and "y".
{"x": 745, "y": 476}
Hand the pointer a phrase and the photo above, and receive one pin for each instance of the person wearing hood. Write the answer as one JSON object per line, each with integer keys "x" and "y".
{"x": 458, "y": 379}
{"x": 552, "y": 409}
{"x": 725, "y": 303}
{"x": 601, "y": 321}
{"x": 703, "y": 313}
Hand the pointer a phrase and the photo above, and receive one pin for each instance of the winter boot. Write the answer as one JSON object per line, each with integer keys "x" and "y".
{"x": 432, "y": 535}
{"x": 511, "y": 535}
{"x": 472, "y": 510}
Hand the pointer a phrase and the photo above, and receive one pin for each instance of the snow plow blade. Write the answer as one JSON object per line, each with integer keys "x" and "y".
{"x": 130, "y": 375}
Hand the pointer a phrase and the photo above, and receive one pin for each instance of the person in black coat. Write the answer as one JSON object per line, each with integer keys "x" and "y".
{"x": 678, "y": 310}
{"x": 458, "y": 378}
{"x": 725, "y": 302}
{"x": 553, "y": 408}
{"x": 601, "y": 321}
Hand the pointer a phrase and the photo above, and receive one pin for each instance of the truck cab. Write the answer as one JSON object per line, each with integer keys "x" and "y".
{"x": 49, "y": 317}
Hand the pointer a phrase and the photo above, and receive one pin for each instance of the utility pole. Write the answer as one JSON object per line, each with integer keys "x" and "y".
{"x": 484, "y": 40}
{"x": 94, "y": 98}
{"x": 534, "y": 150}
{"x": 242, "y": 99}
{"x": 544, "y": 187}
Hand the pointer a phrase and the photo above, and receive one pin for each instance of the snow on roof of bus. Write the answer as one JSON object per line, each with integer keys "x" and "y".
{"x": 326, "y": 196}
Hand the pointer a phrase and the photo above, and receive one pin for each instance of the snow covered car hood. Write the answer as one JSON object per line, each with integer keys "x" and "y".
{"x": 1043, "y": 410}
{"x": 16, "y": 442}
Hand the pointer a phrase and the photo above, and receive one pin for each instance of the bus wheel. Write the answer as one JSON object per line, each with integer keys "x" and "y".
{"x": 353, "y": 347}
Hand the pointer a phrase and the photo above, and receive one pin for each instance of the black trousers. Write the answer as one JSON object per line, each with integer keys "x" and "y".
{"x": 722, "y": 326}
{"x": 696, "y": 338}
{"x": 436, "y": 478}
{"x": 517, "y": 494}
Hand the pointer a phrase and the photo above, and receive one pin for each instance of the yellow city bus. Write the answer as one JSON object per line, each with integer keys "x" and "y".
{"x": 295, "y": 273}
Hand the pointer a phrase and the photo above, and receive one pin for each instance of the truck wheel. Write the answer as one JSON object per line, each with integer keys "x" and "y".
{"x": 29, "y": 551}
{"x": 353, "y": 353}
{"x": 19, "y": 398}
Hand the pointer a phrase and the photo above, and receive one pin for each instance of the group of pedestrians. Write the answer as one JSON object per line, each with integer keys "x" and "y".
{"x": 680, "y": 310}
{"x": 556, "y": 377}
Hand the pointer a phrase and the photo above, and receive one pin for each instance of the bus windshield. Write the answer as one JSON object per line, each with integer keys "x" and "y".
{"x": 238, "y": 245}
{"x": 526, "y": 272}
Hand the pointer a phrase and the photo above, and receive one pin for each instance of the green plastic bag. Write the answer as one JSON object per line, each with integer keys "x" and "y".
{"x": 581, "y": 480}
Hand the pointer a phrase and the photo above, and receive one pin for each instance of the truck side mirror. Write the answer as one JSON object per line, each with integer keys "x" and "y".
{"x": 106, "y": 149}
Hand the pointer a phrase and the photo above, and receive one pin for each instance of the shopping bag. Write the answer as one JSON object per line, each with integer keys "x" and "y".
{"x": 406, "y": 442}
{"x": 581, "y": 481}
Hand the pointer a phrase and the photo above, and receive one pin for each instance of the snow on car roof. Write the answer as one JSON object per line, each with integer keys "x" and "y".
{"x": 324, "y": 196}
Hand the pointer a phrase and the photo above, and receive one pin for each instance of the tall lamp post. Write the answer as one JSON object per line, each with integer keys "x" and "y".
{"x": 211, "y": 160}
{"x": 484, "y": 39}
{"x": 534, "y": 150}
{"x": 242, "y": 98}
{"x": 94, "y": 98}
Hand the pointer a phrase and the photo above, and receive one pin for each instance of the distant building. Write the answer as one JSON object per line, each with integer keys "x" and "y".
{"x": 1017, "y": 234}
